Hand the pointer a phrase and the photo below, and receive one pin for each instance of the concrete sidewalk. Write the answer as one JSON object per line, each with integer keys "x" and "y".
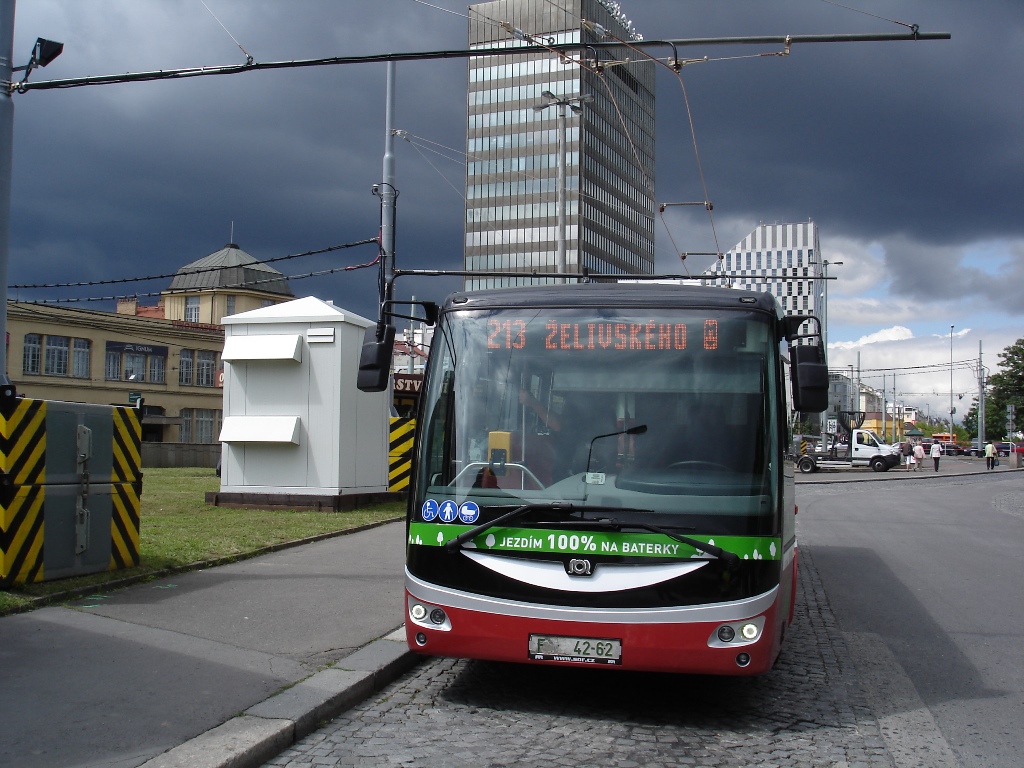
{"x": 220, "y": 667}
{"x": 949, "y": 466}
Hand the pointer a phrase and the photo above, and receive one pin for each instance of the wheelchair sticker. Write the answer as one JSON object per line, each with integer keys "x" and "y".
{"x": 429, "y": 510}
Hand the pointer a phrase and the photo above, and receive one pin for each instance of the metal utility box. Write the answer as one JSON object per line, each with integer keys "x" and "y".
{"x": 70, "y": 488}
{"x": 294, "y": 422}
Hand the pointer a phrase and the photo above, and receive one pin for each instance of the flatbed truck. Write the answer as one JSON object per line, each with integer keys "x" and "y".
{"x": 864, "y": 449}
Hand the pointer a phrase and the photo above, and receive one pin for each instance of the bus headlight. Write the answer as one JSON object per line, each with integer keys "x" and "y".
{"x": 737, "y": 633}
{"x": 428, "y": 616}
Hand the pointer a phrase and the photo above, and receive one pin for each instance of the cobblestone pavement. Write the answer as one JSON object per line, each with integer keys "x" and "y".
{"x": 809, "y": 711}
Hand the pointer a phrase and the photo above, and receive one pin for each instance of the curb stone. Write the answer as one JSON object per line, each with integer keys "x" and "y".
{"x": 268, "y": 728}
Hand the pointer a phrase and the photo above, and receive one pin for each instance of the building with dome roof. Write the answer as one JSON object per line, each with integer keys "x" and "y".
{"x": 168, "y": 356}
{"x": 224, "y": 283}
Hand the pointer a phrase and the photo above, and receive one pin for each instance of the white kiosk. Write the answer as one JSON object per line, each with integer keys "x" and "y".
{"x": 296, "y": 430}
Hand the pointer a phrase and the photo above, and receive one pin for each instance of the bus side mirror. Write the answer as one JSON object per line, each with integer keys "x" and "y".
{"x": 809, "y": 372}
{"x": 375, "y": 360}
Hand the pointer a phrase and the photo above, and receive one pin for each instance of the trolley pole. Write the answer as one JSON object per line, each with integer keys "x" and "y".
{"x": 6, "y": 153}
{"x": 981, "y": 401}
{"x": 388, "y": 193}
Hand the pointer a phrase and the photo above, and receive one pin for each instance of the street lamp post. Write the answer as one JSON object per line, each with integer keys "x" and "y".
{"x": 822, "y": 311}
{"x": 951, "y": 409}
{"x": 575, "y": 103}
{"x": 43, "y": 53}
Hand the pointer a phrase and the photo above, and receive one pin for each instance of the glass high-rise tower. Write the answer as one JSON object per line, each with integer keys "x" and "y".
{"x": 513, "y": 132}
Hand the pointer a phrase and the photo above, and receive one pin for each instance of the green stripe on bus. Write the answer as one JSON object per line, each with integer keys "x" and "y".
{"x": 556, "y": 541}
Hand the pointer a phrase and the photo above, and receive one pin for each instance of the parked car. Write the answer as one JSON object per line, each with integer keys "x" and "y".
{"x": 1003, "y": 449}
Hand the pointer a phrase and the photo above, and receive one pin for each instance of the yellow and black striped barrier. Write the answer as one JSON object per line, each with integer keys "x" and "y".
{"x": 400, "y": 453}
{"x": 126, "y": 488}
{"x": 22, "y": 489}
{"x": 70, "y": 488}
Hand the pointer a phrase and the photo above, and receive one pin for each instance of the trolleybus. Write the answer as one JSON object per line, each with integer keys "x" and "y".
{"x": 600, "y": 477}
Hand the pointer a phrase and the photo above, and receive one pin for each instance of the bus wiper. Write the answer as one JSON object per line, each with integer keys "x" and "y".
{"x": 731, "y": 559}
{"x": 454, "y": 545}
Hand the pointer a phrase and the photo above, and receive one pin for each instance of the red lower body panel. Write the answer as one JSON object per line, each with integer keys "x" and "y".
{"x": 689, "y": 647}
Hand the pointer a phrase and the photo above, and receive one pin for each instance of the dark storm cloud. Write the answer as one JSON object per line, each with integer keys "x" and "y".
{"x": 874, "y": 138}
{"x": 915, "y": 144}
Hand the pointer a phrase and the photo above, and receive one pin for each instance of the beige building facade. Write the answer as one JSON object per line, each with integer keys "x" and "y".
{"x": 88, "y": 356}
{"x": 169, "y": 355}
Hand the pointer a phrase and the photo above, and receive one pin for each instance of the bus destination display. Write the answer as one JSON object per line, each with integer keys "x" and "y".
{"x": 574, "y": 336}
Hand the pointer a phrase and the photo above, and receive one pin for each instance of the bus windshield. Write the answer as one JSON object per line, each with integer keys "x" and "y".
{"x": 661, "y": 410}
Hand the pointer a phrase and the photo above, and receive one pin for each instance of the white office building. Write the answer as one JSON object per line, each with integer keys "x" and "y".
{"x": 784, "y": 259}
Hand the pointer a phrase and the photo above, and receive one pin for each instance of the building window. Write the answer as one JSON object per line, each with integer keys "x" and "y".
{"x": 130, "y": 361}
{"x": 53, "y": 356}
{"x": 112, "y": 366}
{"x": 157, "y": 373}
{"x": 30, "y": 357}
{"x": 185, "y": 430}
{"x": 191, "y": 309}
{"x": 81, "y": 362}
{"x": 134, "y": 366}
{"x": 185, "y": 369}
{"x": 206, "y": 368}
{"x": 205, "y": 422}
{"x": 199, "y": 367}
{"x": 56, "y": 360}
{"x": 199, "y": 425}
{"x": 230, "y": 305}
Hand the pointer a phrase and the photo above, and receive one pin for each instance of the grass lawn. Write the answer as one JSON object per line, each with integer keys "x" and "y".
{"x": 178, "y": 529}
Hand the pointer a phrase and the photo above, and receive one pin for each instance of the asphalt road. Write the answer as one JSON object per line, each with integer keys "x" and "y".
{"x": 927, "y": 572}
{"x": 905, "y": 653}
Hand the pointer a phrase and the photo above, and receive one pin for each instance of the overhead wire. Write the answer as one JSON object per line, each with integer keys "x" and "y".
{"x": 599, "y": 71}
{"x": 439, "y": 8}
{"x": 249, "y": 59}
{"x": 242, "y": 284}
{"x": 465, "y": 157}
{"x": 116, "y": 281}
{"x": 912, "y": 27}
{"x": 674, "y": 65}
{"x": 676, "y": 70}
{"x": 97, "y": 320}
{"x": 404, "y": 135}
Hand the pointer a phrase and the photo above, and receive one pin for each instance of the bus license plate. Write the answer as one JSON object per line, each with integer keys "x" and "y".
{"x": 586, "y": 650}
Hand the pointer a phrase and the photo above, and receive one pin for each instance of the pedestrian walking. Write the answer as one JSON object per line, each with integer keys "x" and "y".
{"x": 936, "y": 454}
{"x": 990, "y": 456}
{"x": 908, "y": 454}
{"x": 918, "y": 455}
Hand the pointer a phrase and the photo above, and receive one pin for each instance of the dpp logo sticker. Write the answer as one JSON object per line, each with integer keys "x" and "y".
{"x": 448, "y": 511}
{"x": 469, "y": 512}
{"x": 429, "y": 510}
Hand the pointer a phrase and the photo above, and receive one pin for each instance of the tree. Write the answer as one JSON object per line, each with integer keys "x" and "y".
{"x": 1004, "y": 388}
